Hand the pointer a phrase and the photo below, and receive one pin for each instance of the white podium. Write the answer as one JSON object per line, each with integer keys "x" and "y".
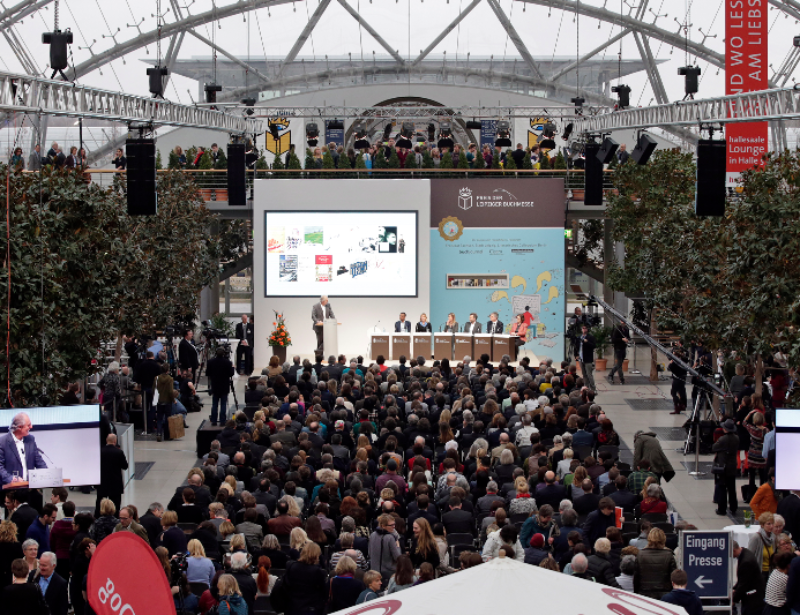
{"x": 330, "y": 337}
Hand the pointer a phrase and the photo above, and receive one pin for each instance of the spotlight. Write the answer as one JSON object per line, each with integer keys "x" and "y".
{"x": 211, "y": 90}
{"x": 445, "y": 135}
{"x": 548, "y": 132}
{"x": 796, "y": 41}
{"x": 249, "y": 103}
{"x": 157, "y": 74}
{"x": 336, "y": 125}
{"x": 503, "y": 133}
{"x": 58, "y": 42}
{"x": 406, "y": 132}
{"x": 568, "y": 131}
{"x": 690, "y": 74}
{"x": 360, "y": 132}
{"x": 312, "y": 133}
{"x": 624, "y": 94}
{"x": 578, "y": 102}
{"x": 431, "y": 132}
{"x": 644, "y": 147}
{"x": 474, "y": 125}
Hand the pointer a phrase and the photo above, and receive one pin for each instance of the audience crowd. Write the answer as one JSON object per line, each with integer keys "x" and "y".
{"x": 341, "y": 482}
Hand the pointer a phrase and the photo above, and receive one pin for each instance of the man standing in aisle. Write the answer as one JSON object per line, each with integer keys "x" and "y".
{"x": 402, "y": 325}
{"x": 473, "y": 326}
{"x": 585, "y": 356}
{"x": 319, "y": 313}
{"x": 187, "y": 355}
{"x": 620, "y": 337}
{"x": 219, "y": 372}
{"x": 112, "y": 463}
{"x": 494, "y": 325}
{"x": 244, "y": 351}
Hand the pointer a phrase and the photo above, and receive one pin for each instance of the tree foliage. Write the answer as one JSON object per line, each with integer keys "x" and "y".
{"x": 733, "y": 281}
{"x": 82, "y": 270}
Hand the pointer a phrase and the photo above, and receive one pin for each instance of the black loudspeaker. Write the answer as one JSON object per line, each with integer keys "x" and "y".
{"x": 644, "y": 147}
{"x": 709, "y": 199}
{"x": 141, "y": 173}
{"x": 237, "y": 189}
{"x": 607, "y": 150}
{"x": 593, "y": 175}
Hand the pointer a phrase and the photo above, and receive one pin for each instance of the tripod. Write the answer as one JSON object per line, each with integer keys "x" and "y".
{"x": 703, "y": 396}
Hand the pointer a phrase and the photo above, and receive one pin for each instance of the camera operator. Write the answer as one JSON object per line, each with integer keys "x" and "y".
{"x": 187, "y": 355}
{"x": 703, "y": 367}
{"x": 620, "y": 337}
{"x": 678, "y": 390}
{"x": 585, "y": 356}
{"x": 574, "y": 324}
{"x": 185, "y": 600}
{"x": 219, "y": 372}
{"x": 244, "y": 351}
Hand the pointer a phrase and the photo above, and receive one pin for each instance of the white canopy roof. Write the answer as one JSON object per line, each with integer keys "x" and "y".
{"x": 505, "y": 586}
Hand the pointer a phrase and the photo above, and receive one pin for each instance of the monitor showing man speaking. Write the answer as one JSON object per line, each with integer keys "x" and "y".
{"x": 65, "y": 437}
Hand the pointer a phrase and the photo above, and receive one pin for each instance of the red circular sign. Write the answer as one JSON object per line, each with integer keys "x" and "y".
{"x": 382, "y": 607}
{"x": 126, "y": 578}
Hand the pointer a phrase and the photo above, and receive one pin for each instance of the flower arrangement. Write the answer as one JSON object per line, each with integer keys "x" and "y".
{"x": 280, "y": 336}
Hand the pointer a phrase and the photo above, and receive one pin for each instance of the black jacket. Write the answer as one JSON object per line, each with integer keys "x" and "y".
{"x": 458, "y": 522}
{"x": 602, "y": 570}
{"x": 146, "y": 373}
{"x": 587, "y": 345}
{"x": 56, "y": 595}
{"x": 242, "y": 334}
{"x": 426, "y": 328}
{"x": 625, "y": 499}
{"x": 727, "y": 449}
{"x": 308, "y": 588}
{"x": 187, "y": 356}
{"x": 24, "y": 599}
{"x": 112, "y": 463}
{"x": 23, "y": 517}
{"x": 219, "y": 372}
{"x": 617, "y": 334}
{"x": 550, "y": 494}
{"x": 789, "y": 509}
{"x": 749, "y": 588}
{"x": 152, "y": 524}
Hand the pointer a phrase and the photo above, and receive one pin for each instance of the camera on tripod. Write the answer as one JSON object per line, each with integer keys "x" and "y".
{"x": 216, "y": 338}
{"x": 179, "y": 564}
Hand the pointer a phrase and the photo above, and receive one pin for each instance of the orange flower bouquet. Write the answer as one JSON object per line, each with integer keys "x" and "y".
{"x": 280, "y": 336}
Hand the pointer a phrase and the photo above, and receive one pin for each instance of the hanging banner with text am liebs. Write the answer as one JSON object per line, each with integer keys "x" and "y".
{"x": 745, "y": 71}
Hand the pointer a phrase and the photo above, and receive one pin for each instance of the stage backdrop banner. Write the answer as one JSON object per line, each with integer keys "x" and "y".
{"x": 497, "y": 245}
{"x": 745, "y": 71}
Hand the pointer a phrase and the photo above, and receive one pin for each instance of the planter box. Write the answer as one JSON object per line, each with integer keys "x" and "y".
{"x": 600, "y": 365}
{"x": 280, "y": 352}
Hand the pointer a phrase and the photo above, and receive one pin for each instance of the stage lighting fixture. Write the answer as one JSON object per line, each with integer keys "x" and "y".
{"x": 796, "y": 41}
{"x": 312, "y": 133}
{"x": 360, "y": 132}
{"x": 156, "y": 75}
{"x": 431, "y": 132}
{"x": 474, "y": 125}
{"x": 503, "y": 133}
{"x": 211, "y": 90}
{"x": 691, "y": 83}
{"x": 387, "y": 131}
{"x": 578, "y": 102}
{"x": 568, "y": 131}
{"x": 644, "y": 147}
{"x": 336, "y": 125}
{"x": 406, "y": 132}
{"x": 249, "y": 103}
{"x": 623, "y": 92}
{"x": 548, "y": 132}
{"x": 59, "y": 56}
{"x": 445, "y": 135}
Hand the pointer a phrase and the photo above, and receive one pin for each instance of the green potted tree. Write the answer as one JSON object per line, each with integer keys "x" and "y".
{"x": 602, "y": 339}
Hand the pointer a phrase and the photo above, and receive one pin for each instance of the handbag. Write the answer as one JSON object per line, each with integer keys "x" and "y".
{"x": 717, "y": 467}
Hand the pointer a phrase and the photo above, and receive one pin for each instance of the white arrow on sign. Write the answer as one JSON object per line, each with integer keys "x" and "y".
{"x": 700, "y": 580}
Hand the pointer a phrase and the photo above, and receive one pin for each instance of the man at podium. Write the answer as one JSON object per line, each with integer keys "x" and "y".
{"x": 18, "y": 451}
{"x": 319, "y": 313}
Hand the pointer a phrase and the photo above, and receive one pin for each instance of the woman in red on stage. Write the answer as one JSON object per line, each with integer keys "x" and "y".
{"x": 520, "y": 329}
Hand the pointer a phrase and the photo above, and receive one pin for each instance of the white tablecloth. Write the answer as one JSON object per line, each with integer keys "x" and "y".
{"x": 742, "y": 534}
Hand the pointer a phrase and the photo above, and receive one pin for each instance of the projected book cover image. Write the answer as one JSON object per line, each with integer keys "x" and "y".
{"x": 276, "y": 240}
{"x": 341, "y": 254}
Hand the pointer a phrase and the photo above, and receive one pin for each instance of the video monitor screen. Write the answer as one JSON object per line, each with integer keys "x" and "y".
{"x": 68, "y": 437}
{"x": 340, "y": 254}
{"x": 787, "y": 449}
